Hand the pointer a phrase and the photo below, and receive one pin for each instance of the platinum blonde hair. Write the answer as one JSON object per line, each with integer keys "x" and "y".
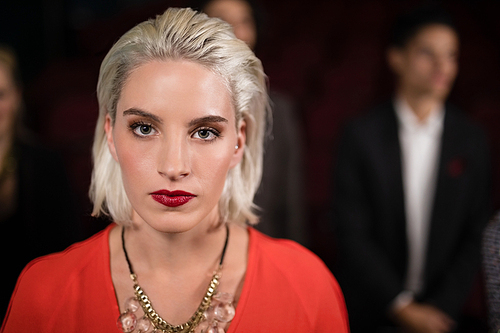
{"x": 184, "y": 34}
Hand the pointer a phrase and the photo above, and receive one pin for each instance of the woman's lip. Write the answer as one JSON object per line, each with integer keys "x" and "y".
{"x": 173, "y": 193}
{"x": 172, "y": 198}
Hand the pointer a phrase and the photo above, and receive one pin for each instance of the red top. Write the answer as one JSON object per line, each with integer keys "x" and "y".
{"x": 286, "y": 289}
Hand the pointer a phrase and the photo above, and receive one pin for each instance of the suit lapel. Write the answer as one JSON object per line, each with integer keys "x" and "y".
{"x": 394, "y": 184}
{"x": 451, "y": 167}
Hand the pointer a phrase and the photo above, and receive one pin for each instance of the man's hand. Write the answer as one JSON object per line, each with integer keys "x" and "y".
{"x": 423, "y": 318}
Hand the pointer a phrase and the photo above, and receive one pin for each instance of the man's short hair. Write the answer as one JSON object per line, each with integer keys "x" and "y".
{"x": 408, "y": 24}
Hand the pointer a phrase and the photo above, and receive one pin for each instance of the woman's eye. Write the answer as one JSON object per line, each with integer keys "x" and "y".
{"x": 206, "y": 134}
{"x": 143, "y": 129}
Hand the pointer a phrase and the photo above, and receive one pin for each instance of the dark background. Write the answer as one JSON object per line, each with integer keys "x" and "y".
{"x": 327, "y": 55}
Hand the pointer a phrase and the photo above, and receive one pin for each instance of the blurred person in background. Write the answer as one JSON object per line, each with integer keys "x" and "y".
{"x": 412, "y": 191}
{"x": 491, "y": 268}
{"x": 280, "y": 195}
{"x": 36, "y": 210}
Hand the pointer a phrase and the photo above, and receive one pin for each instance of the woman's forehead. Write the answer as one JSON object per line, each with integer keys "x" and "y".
{"x": 185, "y": 86}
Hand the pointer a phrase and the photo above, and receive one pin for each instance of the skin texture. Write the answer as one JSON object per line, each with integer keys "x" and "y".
{"x": 426, "y": 67}
{"x": 164, "y": 138}
{"x": 420, "y": 318}
{"x": 238, "y": 13}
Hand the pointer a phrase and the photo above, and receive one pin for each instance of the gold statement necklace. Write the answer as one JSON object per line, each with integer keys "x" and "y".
{"x": 214, "y": 308}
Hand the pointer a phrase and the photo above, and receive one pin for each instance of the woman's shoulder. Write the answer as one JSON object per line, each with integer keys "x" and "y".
{"x": 288, "y": 262}
{"x": 283, "y": 252}
{"x": 49, "y": 269}
{"x": 294, "y": 283}
{"x": 52, "y": 288}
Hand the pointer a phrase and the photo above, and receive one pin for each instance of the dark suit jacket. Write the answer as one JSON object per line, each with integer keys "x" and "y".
{"x": 370, "y": 215}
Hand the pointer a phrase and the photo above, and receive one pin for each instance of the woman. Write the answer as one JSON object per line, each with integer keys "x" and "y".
{"x": 32, "y": 183}
{"x": 177, "y": 160}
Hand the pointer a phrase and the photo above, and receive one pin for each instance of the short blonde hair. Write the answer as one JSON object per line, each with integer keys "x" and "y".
{"x": 184, "y": 34}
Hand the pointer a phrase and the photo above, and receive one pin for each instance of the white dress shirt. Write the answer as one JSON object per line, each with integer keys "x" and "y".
{"x": 420, "y": 143}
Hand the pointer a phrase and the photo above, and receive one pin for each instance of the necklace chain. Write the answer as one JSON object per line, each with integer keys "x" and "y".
{"x": 158, "y": 322}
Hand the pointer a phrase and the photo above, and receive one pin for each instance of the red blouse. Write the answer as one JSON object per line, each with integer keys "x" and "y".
{"x": 286, "y": 289}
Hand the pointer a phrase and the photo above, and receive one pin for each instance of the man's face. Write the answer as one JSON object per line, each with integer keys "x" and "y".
{"x": 238, "y": 14}
{"x": 427, "y": 65}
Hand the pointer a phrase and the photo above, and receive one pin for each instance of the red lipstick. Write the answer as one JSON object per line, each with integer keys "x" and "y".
{"x": 172, "y": 198}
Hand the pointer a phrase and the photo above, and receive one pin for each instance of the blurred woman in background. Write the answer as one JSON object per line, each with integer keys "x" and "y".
{"x": 32, "y": 182}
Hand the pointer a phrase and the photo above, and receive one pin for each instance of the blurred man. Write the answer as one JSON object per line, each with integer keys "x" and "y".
{"x": 412, "y": 191}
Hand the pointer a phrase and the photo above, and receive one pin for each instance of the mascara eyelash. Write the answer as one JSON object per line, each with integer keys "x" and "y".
{"x": 210, "y": 129}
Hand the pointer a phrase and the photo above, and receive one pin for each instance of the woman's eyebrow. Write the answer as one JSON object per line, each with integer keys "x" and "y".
{"x": 141, "y": 113}
{"x": 208, "y": 119}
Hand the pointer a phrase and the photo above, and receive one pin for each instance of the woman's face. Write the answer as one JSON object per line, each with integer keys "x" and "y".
{"x": 175, "y": 138}
{"x": 10, "y": 99}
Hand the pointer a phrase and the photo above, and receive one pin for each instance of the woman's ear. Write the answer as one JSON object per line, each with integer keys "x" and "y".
{"x": 239, "y": 148}
{"x": 108, "y": 128}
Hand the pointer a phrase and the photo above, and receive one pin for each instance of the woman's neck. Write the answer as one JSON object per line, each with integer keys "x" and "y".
{"x": 152, "y": 250}
{"x": 175, "y": 269}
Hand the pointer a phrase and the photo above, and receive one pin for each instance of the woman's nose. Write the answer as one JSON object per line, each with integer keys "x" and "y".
{"x": 173, "y": 160}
